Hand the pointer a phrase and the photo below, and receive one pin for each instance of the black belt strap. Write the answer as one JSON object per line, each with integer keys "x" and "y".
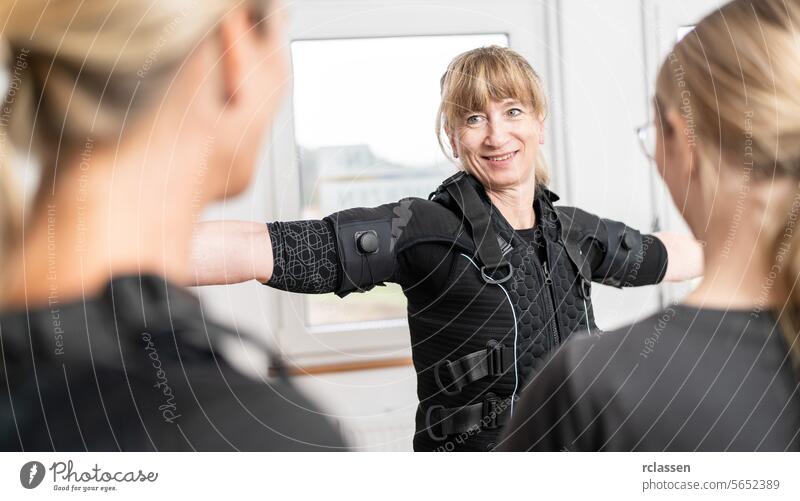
{"x": 483, "y": 235}
{"x": 490, "y": 414}
{"x": 495, "y": 360}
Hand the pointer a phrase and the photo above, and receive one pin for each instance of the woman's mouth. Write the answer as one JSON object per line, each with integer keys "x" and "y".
{"x": 500, "y": 160}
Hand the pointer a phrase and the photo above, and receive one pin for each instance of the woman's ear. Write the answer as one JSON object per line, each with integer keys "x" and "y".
{"x": 679, "y": 143}
{"x": 231, "y": 30}
{"x": 453, "y": 147}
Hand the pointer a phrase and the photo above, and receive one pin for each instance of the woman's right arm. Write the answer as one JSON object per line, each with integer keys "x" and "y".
{"x": 349, "y": 251}
{"x": 230, "y": 252}
{"x": 296, "y": 256}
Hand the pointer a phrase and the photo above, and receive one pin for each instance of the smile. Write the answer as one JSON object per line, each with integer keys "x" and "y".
{"x": 501, "y": 158}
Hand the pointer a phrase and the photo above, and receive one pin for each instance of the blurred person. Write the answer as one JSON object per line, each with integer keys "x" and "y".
{"x": 496, "y": 276}
{"x": 140, "y": 114}
{"x": 720, "y": 370}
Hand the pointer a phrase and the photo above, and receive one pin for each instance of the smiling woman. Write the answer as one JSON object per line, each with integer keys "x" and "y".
{"x": 492, "y": 113}
{"x": 495, "y": 275}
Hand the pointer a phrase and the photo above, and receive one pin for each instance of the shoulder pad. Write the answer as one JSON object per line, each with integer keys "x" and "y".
{"x": 577, "y": 227}
{"x": 369, "y": 239}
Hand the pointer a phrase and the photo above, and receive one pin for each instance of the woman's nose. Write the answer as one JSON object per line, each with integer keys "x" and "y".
{"x": 497, "y": 134}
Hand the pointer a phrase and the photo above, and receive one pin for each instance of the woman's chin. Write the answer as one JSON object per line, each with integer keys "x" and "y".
{"x": 505, "y": 177}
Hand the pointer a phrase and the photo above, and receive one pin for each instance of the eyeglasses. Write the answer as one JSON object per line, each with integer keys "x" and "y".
{"x": 647, "y": 139}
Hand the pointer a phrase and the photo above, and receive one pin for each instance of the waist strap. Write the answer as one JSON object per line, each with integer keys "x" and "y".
{"x": 490, "y": 414}
{"x": 495, "y": 360}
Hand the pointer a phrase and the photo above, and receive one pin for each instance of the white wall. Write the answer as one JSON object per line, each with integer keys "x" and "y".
{"x": 605, "y": 98}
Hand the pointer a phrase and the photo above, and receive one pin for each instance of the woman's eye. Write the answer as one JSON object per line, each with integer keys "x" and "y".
{"x": 514, "y": 112}
{"x": 474, "y": 119}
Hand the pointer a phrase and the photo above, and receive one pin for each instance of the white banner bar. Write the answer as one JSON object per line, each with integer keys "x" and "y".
{"x": 405, "y": 476}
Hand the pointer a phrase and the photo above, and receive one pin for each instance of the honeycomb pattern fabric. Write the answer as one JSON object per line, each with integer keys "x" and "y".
{"x": 304, "y": 257}
{"x": 546, "y": 312}
{"x": 534, "y": 320}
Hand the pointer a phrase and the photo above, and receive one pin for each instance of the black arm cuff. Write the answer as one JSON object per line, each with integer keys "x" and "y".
{"x": 304, "y": 257}
{"x": 654, "y": 262}
{"x": 629, "y": 259}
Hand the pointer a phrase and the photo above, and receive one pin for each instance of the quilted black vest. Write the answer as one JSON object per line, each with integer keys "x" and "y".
{"x": 475, "y": 347}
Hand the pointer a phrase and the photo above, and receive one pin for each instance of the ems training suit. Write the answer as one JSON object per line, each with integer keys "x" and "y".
{"x": 683, "y": 379}
{"x": 137, "y": 368}
{"x": 486, "y": 303}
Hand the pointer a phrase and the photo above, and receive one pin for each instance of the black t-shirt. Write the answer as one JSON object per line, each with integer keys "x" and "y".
{"x": 683, "y": 379}
{"x": 137, "y": 368}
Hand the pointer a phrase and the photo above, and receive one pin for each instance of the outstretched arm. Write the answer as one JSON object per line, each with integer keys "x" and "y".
{"x": 308, "y": 256}
{"x": 230, "y": 252}
{"x": 620, "y": 256}
{"x": 685, "y": 256}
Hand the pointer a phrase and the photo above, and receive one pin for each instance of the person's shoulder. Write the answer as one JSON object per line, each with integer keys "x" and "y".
{"x": 577, "y": 224}
{"x": 268, "y": 414}
{"x": 615, "y": 354}
{"x": 190, "y": 396}
{"x": 418, "y": 221}
{"x": 659, "y": 326}
{"x": 633, "y": 337}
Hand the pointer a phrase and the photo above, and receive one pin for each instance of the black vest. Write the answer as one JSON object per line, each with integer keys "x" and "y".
{"x": 477, "y": 344}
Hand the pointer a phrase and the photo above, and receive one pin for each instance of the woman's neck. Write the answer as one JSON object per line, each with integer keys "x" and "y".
{"x": 112, "y": 212}
{"x": 516, "y": 205}
{"x": 739, "y": 258}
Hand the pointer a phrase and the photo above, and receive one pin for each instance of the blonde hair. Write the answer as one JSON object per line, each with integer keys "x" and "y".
{"x": 478, "y": 76}
{"x": 79, "y": 70}
{"x": 735, "y": 79}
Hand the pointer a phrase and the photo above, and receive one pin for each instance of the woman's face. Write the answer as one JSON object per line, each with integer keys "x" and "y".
{"x": 677, "y": 165}
{"x": 498, "y": 145}
{"x": 263, "y": 71}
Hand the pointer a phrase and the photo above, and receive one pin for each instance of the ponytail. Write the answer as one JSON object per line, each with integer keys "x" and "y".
{"x": 9, "y": 197}
{"x": 8, "y": 208}
{"x": 746, "y": 120}
{"x": 785, "y": 254}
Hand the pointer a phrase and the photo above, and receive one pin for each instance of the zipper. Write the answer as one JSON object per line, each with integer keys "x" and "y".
{"x": 553, "y": 320}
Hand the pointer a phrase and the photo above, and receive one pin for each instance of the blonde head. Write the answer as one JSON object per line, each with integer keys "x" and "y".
{"x": 81, "y": 70}
{"x": 486, "y": 74}
{"x": 735, "y": 79}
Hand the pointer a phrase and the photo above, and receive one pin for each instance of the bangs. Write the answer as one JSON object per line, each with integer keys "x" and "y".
{"x": 488, "y": 74}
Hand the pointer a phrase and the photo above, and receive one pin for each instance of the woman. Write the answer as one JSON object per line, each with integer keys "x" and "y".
{"x": 495, "y": 275}
{"x": 100, "y": 349}
{"x": 719, "y": 371}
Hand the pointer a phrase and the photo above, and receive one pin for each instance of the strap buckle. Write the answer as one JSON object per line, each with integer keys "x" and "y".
{"x": 459, "y": 384}
{"x": 430, "y": 425}
{"x": 497, "y": 281}
{"x": 491, "y": 410}
{"x": 494, "y": 358}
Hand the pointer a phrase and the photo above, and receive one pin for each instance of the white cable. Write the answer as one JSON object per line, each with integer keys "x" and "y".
{"x": 514, "y": 313}
{"x": 586, "y": 316}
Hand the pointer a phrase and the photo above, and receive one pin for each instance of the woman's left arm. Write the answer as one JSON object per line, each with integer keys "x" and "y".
{"x": 621, "y": 256}
{"x": 685, "y": 256}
